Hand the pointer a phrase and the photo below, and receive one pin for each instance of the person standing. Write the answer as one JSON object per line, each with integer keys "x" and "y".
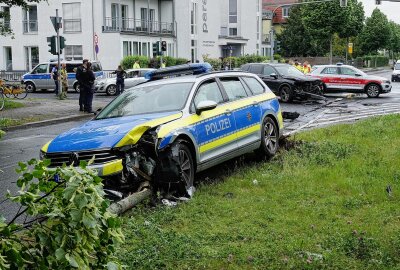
{"x": 306, "y": 67}
{"x": 121, "y": 74}
{"x": 54, "y": 74}
{"x": 136, "y": 64}
{"x": 90, "y": 78}
{"x": 163, "y": 64}
{"x": 64, "y": 81}
{"x": 80, "y": 72}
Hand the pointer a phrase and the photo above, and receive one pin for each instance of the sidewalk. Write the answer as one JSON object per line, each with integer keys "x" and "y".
{"x": 42, "y": 112}
{"x": 377, "y": 69}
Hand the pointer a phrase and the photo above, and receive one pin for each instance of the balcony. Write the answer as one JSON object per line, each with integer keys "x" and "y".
{"x": 136, "y": 26}
{"x": 30, "y": 26}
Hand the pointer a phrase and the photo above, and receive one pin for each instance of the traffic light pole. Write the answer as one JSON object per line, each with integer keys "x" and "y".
{"x": 162, "y": 53}
{"x": 58, "y": 54}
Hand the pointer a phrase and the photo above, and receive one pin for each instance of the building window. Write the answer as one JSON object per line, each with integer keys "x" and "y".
{"x": 31, "y": 57}
{"x": 6, "y": 17}
{"x": 30, "y": 20}
{"x": 135, "y": 48}
{"x": 124, "y": 17}
{"x": 232, "y": 11}
{"x": 73, "y": 52}
{"x": 286, "y": 12}
{"x": 127, "y": 48}
{"x": 193, "y": 18}
{"x": 171, "y": 51}
{"x": 8, "y": 58}
{"x": 233, "y": 32}
{"x": 72, "y": 17}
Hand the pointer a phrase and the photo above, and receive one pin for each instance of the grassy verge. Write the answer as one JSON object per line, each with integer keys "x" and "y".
{"x": 322, "y": 204}
{"x": 10, "y": 104}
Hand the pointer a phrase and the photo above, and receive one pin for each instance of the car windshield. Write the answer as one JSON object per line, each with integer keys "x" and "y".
{"x": 397, "y": 66}
{"x": 289, "y": 71}
{"x": 148, "y": 99}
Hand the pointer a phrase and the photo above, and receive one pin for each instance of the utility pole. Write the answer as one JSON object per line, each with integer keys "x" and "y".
{"x": 58, "y": 21}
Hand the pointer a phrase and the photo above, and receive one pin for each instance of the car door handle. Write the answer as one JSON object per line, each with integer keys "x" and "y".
{"x": 228, "y": 112}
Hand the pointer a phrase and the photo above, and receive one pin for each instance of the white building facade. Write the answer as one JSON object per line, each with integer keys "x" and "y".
{"x": 191, "y": 28}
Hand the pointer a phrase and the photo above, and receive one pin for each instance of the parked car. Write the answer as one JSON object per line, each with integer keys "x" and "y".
{"x": 286, "y": 81}
{"x": 166, "y": 130}
{"x": 40, "y": 77}
{"x": 396, "y": 72}
{"x": 345, "y": 78}
{"x": 133, "y": 78}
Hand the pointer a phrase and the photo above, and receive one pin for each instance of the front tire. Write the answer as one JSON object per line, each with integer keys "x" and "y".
{"x": 77, "y": 87}
{"x": 30, "y": 87}
{"x": 269, "y": 138}
{"x": 286, "y": 94}
{"x": 373, "y": 90}
{"x": 111, "y": 90}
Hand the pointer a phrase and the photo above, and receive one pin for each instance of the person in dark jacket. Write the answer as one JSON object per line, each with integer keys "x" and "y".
{"x": 121, "y": 74}
{"x": 54, "y": 74}
{"x": 85, "y": 77}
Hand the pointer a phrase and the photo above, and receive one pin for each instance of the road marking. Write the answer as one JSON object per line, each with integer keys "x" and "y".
{"x": 22, "y": 138}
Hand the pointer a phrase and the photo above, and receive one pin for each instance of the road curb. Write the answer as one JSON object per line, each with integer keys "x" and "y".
{"x": 50, "y": 122}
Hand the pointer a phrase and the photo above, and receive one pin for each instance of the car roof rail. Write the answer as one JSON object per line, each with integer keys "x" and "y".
{"x": 176, "y": 71}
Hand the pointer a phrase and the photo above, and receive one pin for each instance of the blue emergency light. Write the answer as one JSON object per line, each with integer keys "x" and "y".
{"x": 187, "y": 69}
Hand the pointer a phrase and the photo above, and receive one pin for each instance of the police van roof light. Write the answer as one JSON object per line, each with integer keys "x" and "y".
{"x": 174, "y": 71}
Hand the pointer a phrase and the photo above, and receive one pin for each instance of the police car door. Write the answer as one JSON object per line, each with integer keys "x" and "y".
{"x": 216, "y": 129}
{"x": 246, "y": 111}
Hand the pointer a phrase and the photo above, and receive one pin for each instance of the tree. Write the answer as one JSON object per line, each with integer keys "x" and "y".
{"x": 394, "y": 41}
{"x": 376, "y": 33}
{"x": 4, "y": 16}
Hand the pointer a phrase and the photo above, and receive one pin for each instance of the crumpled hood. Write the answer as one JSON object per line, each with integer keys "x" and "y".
{"x": 107, "y": 133}
{"x": 302, "y": 78}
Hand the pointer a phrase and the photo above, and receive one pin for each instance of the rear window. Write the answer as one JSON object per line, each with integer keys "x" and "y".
{"x": 256, "y": 69}
{"x": 330, "y": 70}
{"x": 255, "y": 86}
{"x": 233, "y": 88}
{"x": 96, "y": 66}
{"x": 71, "y": 68}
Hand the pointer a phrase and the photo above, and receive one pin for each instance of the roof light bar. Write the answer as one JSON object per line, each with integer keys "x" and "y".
{"x": 174, "y": 71}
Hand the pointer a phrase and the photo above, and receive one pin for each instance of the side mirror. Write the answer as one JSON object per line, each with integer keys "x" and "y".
{"x": 274, "y": 75}
{"x": 358, "y": 75}
{"x": 206, "y": 105}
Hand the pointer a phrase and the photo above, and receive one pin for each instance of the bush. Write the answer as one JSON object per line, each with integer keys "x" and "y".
{"x": 2, "y": 133}
{"x": 128, "y": 61}
{"x": 69, "y": 225}
{"x": 181, "y": 61}
{"x": 377, "y": 60}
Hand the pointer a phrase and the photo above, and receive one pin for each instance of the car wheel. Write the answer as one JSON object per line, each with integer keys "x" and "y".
{"x": 77, "y": 87}
{"x": 286, "y": 94}
{"x": 30, "y": 87}
{"x": 269, "y": 138}
{"x": 111, "y": 90}
{"x": 372, "y": 90}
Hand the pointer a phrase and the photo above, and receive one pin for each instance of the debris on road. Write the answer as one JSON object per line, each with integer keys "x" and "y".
{"x": 290, "y": 115}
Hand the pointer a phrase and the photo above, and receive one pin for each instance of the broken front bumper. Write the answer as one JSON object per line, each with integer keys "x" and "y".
{"x": 109, "y": 168}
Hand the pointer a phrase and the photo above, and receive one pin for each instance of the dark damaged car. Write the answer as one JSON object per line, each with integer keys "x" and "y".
{"x": 286, "y": 81}
{"x": 164, "y": 131}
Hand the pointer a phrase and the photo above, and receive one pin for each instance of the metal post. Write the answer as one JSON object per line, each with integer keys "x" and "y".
{"x": 161, "y": 56}
{"x": 58, "y": 53}
{"x": 272, "y": 41}
{"x": 331, "y": 52}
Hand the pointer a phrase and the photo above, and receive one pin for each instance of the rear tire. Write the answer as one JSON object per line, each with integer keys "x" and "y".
{"x": 286, "y": 94}
{"x": 372, "y": 90}
{"x": 269, "y": 138}
{"x": 30, "y": 87}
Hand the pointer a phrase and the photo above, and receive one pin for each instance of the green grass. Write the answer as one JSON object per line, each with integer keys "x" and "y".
{"x": 10, "y": 104}
{"x": 320, "y": 205}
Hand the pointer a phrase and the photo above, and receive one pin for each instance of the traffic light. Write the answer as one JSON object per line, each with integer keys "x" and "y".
{"x": 163, "y": 46}
{"x": 343, "y": 3}
{"x": 52, "y": 43}
{"x": 377, "y": 2}
{"x": 156, "y": 48}
{"x": 62, "y": 42}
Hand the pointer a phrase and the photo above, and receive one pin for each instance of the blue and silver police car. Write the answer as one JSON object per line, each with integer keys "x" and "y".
{"x": 166, "y": 130}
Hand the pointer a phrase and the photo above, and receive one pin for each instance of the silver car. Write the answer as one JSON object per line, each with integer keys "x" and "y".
{"x": 133, "y": 78}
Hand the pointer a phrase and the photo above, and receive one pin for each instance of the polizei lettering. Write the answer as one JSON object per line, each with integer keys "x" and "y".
{"x": 205, "y": 27}
{"x": 217, "y": 126}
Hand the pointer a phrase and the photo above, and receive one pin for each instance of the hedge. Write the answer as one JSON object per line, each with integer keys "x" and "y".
{"x": 145, "y": 62}
{"x": 376, "y": 60}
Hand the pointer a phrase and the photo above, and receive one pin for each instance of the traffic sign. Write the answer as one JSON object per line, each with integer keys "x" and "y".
{"x": 96, "y": 39}
{"x": 96, "y": 48}
{"x": 350, "y": 48}
{"x": 56, "y": 24}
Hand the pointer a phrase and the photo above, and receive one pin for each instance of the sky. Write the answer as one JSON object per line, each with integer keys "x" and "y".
{"x": 390, "y": 9}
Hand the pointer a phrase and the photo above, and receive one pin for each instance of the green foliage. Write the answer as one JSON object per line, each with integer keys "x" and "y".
{"x": 144, "y": 62}
{"x": 128, "y": 61}
{"x": 1, "y": 133}
{"x": 394, "y": 41}
{"x": 310, "y": 27}
{"x": 319, "y": 205}
{"x": 71, "y": 226}
{"x": 376, "y": 33}
{"x": 235, "y": 62}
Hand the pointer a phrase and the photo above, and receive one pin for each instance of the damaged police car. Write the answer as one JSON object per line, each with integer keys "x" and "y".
{"x": 164, "y": 131}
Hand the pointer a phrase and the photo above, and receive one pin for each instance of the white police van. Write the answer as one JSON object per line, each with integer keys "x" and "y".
{"x": 40, "y": 77}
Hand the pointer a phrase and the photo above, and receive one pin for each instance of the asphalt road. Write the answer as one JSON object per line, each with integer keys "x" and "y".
{"x": 22, "y": 145}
